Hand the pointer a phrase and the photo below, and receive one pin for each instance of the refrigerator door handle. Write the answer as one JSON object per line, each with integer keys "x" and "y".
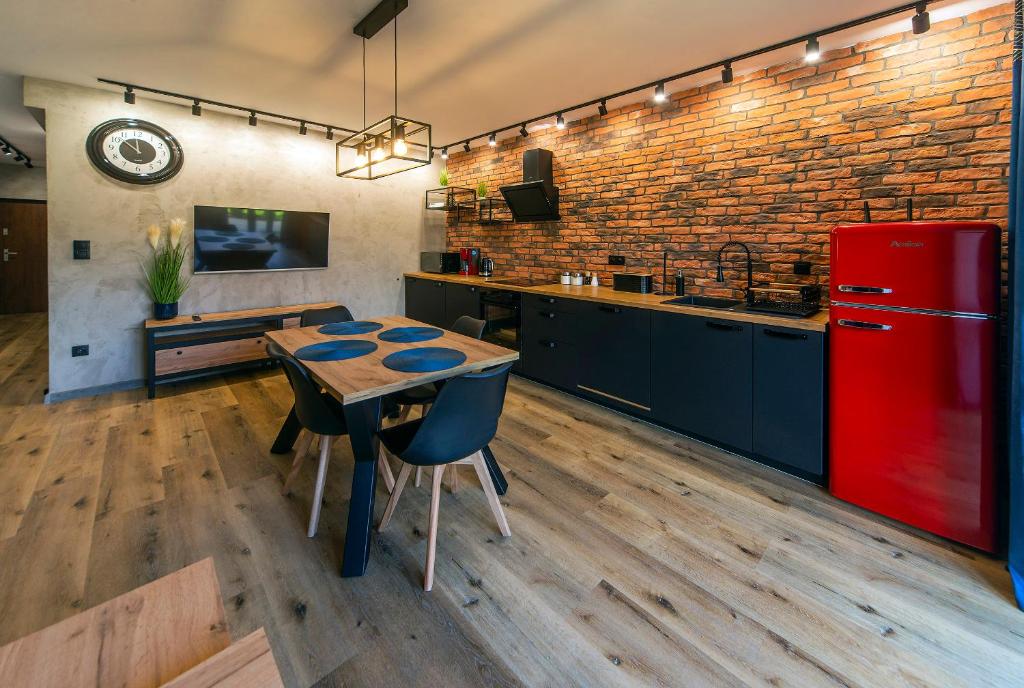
{"x": 859, "y": 289}
{"x": 863, "y": 324}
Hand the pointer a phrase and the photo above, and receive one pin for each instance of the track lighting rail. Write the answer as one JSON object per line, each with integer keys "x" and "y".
{"x": 197, "y": 103}
{"x": 919, "y": 6}
{"x": 8, "y": 149}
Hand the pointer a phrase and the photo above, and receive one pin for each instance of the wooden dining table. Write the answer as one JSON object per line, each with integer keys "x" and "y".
{"x": 360, "y": 385}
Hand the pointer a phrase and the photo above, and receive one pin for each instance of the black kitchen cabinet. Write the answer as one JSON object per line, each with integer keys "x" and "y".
{"x": 424, "y": 300}
{"x": 460, "y": 300}
{"x": 549, "y": 342}
{"x": 789, "y": 400}
{"x": 615, "y": 355}
{"x": 701, "y": 377}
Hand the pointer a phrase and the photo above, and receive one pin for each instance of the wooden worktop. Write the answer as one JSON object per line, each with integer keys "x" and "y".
{"x": 817, "y": 322}
{"x": 269, "y": 312}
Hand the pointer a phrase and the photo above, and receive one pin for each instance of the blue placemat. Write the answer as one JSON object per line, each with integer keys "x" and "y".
{"x": 427, "y": 359}
{"x": 405, "y": 335}
{"x": 336, "y": 351}
{"x": 350, "y": 327}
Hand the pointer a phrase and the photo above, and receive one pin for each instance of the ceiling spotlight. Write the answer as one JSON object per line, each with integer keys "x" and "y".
{"x": 465, "y": 146}
{"x": 813, "y": 52}
{"x": 330, "y": 134}
{"x": 19, "y": 157}
{"x": 302, "y": 129}
{"x": 6, "y": 150}
{"x": 28, "y": 164}
{"x": 560, "y": 121}
{"x": 197, "y": 109}
{"x": 522, "y": 131}
{"x": 659, "y": 93}
{"x": 921, "y": 21}
{"x": 727, "y": 73}
{"x": 129, "y": 95}
{"x": 602, "y": 108}
{"x": 252, "y": 118}
{"x": 444, "y": 153}
{"x": 492, "y": 140}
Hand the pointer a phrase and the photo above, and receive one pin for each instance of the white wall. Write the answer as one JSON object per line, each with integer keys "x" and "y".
{"x": 18, "y": 181}
{"x": 377, "y": 228}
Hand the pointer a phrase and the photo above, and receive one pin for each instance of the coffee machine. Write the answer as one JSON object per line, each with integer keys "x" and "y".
{"x": 469, "y": 261}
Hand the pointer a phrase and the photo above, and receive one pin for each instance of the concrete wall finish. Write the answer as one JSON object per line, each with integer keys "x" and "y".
{"x": 377, "y": 228}
{"x": 18, "y": 181}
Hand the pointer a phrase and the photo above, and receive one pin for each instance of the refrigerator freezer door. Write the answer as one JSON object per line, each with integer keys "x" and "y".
{"x": 941, "y": 266}
{"x": 912, "y": 419}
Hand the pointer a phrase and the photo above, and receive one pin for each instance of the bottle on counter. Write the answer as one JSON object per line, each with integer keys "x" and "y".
{"x": 566, "y": 278}
{"x": 680, "y": 283}
{"x": 593, "y": 280}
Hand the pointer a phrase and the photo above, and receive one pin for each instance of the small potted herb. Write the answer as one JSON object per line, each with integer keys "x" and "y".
{"x": 164, "y": 280}
{"x": 481, "y": 190}
{"x": 444, "y": 177}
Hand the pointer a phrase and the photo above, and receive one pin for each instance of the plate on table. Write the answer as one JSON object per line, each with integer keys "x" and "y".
{"x": 336, "y": 351}
{"x": 427, "y": 359}
{"x": 350, "y": 327}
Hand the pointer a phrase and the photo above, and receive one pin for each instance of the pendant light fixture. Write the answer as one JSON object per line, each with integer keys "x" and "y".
{"x": 394, "y": 144}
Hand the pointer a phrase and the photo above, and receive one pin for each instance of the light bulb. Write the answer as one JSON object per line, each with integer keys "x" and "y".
{"x": 400, "y": 147}
{"x": 813, "y": 51}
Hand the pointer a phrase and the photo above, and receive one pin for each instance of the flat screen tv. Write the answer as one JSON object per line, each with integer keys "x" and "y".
{"x": 252, "y": 239}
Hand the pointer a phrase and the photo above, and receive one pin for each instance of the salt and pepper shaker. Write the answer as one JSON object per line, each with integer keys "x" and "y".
{"x": 566, "y": 279}
{"x": 577, "y": 279}
{"x": 593, "y": 279}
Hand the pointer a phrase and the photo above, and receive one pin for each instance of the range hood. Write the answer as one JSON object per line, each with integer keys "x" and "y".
{"x": 536, "y": 198}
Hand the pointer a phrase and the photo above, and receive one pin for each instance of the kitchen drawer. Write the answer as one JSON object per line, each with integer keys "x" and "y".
{"x": 550, "y": 323}
{"x": 460, "y": 300}
{"x": 549, "y": 303}
{"x": 551, "y": 361}
{"x": 201, "y": 356}
{"x": 291, "y": 322}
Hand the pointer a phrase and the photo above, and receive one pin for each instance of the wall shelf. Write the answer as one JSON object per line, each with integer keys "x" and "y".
{"x": 450, "y": 198}
{"x": 493, "y": 211}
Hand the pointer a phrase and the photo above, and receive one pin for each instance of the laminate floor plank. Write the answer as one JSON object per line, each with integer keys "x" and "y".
{"x": 638, "y": 557}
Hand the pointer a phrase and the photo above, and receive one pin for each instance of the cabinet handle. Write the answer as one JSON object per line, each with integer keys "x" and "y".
{"x": 438, "y": 284}
{"x": 609, "y": 309}
{"x": 722, "y": 326}
{"x": 545, "y": 314}
{"x": 548, "y": 299}
{"x": 548, "y": 344}
{"x": 781, "y": 334}
{"x": 863, "y": 325}
{"x": 472, "y": 288}
{"x": 859, "y": 289}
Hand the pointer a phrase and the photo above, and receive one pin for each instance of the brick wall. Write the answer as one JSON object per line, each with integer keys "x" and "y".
{"x": 775, "y": 159}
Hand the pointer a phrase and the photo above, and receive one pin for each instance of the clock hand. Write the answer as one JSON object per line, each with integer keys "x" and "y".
{"x": 135, "y": 144}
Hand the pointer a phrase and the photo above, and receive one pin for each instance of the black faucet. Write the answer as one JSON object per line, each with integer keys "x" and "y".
{"x": 720, "y": 277}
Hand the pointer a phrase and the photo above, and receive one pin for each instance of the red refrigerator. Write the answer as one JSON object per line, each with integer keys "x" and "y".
{"x": 912, "y": 373}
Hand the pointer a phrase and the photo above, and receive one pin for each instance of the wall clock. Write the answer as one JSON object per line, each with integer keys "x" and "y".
{"x": 134, "y": 151}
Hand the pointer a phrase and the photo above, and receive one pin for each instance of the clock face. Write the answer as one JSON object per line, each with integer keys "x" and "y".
{"x": 134, "y": 151}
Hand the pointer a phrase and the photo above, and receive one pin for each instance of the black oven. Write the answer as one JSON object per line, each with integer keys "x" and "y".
{"x": 501, "y": 312}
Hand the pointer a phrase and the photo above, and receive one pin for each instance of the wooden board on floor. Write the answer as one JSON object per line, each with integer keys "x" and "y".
{"x": 143, "y": 638}
{"x": 249, "y": 663}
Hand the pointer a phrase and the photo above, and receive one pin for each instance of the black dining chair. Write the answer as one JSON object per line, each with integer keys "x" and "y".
{"x": 320, "y": 415}
{"x": 424, "y": 395}
{"x": 461, "y": 423}
{"x": 325, "y": 316}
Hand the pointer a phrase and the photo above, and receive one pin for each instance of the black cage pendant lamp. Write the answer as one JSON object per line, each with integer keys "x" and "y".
{"x": 394, "y": 144}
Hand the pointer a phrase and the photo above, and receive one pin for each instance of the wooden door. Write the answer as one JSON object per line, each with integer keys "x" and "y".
{"x": 23, "y": 286}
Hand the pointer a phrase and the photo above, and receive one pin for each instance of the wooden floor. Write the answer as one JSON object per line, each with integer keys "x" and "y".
{"x": 637, "y": 557}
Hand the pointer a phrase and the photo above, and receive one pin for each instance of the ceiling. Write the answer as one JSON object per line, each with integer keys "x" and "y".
{"x": 464, "y": 67}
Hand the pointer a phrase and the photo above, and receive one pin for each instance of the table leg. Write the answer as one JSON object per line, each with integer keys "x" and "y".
{"x": 363, "y": 419}
{"x": 287, "y": 435}
{"x": 497, "y": 477}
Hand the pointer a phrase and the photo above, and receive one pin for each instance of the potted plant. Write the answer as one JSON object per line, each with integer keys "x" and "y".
{"x": 163, "y": 272}
{"x": 444, "y": 177}
{"x": 481, "y": 190}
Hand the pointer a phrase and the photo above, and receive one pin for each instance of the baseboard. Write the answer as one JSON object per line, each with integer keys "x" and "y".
{"x": 55, "y": 397}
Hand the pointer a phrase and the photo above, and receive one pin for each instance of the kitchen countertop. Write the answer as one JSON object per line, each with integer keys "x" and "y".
{"x": 817, "y": 322}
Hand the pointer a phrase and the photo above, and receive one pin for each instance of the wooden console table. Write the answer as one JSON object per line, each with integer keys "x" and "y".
{"x": 213, "y": 343}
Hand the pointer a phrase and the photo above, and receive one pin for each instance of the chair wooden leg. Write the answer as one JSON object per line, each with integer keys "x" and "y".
{"x": 453, "y": 484}
{"x": 435, "y": 505}
{"x": 426, "y": 408}
{"x": 385, "y": 470}
{"x": 419, "y": 475}
{"x": 321, "y": 479}
{"x": 305, "y": 442}
{"x": 492, "y": 495}
{"x": 403, "y": 477}
{"x": 403, "y": 414}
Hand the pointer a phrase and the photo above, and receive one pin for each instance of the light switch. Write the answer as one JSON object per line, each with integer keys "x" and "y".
{"x": 80, "y": 249}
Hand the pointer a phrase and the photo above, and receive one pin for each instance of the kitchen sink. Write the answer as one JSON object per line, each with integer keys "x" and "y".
{"x": 703, "y": 302}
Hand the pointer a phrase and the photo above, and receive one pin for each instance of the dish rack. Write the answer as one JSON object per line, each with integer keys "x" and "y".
{"x": 791, "y": 302}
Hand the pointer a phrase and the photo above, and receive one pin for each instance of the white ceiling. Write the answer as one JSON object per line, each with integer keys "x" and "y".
{"x": 464, "y": 67}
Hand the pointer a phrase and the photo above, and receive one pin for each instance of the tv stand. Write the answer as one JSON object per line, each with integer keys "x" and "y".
{"x": 185, "y": 347}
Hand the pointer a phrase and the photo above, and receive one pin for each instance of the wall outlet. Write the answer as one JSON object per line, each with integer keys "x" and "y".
{"x": 801, "y": 267}
{"x": 80, "y": 249}
{"x": 616, "y": 260}
{"x": 80, "y": 350}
